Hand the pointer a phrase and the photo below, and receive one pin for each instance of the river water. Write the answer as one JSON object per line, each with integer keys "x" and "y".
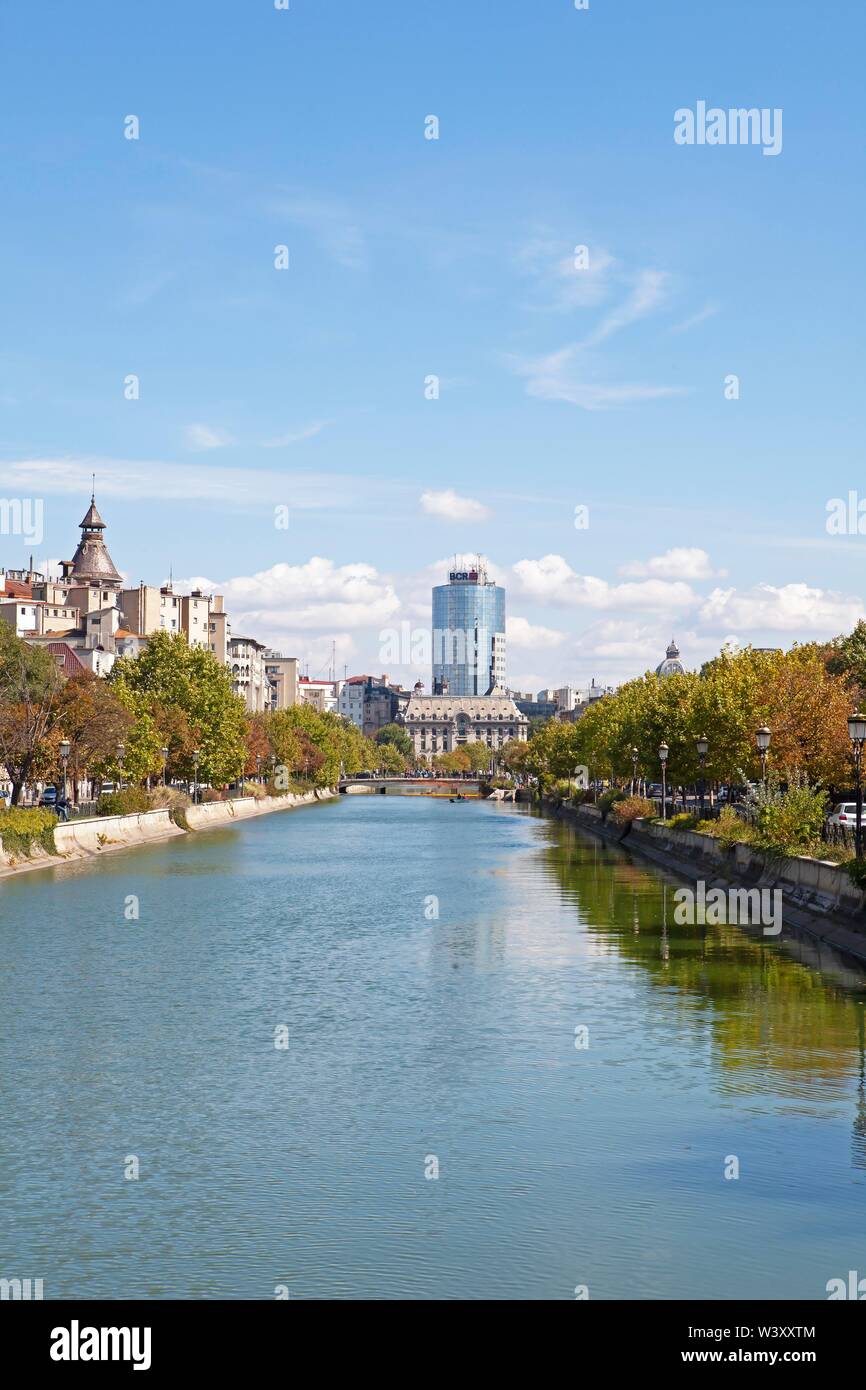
{"x": 416, "y": 1043}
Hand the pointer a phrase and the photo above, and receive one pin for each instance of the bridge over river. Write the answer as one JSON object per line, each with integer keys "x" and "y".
{"x": 412, "y": 786}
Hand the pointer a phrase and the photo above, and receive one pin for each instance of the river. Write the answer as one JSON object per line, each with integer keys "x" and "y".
{"x": 416, "y": 1043}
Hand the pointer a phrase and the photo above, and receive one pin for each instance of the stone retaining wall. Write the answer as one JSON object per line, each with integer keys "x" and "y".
{"x": 817, "y": 896}
{"x": 83, "y": 839}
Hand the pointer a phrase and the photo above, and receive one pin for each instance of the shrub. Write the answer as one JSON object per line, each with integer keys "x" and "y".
{"x": 21, "y": 828}
{"x": 208, "y": 794}
{"x": 683, "y": 820}
{"x": 728, "y": 827}
{"x": 789, "y": 821}
{"x": 857, "y": 871}
{"x": 609, "y": 799}
{"x": 128, "y": 802}
{"x": 632, "y": 808}
{"x": 170, "y": 798}
{"x": 580, "y": 796}
{"x": 177, "y": 815}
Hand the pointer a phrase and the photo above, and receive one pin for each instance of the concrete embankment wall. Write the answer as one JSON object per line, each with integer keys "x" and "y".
{"x": 817, "y": 897}
{"x": 83, "y": 839}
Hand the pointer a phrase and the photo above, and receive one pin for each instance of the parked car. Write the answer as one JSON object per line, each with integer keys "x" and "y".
{"x": 48, "y": 797}
{"x": 845, "y": 813}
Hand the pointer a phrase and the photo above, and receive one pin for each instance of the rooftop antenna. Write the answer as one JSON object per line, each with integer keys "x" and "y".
{"x": 93, "y": 487}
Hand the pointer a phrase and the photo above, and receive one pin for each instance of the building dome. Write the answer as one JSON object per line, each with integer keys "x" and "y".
{"x": 671, "y": 666}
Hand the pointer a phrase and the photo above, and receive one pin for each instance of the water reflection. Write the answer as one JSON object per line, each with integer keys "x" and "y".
{"x": 785, "y": 1014}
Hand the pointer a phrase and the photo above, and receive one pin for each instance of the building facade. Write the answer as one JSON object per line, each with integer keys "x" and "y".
{"x": 468, "y": 633}
{"x": 441, "y": 723}
{"x": 247, "y": 667}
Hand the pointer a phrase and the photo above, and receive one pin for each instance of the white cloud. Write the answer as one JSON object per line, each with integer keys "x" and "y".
{"x": 530, "y": 636}
{"x": 206, "y": 437}
{"x": 789, "y": 608}
{"x": 451, "y": 507}
{"x": 553, "y": 378}
{"x": 552, "y": 579}
{"x": 282, "y": 441}
{"x": 316, "y": 595}
{"x": 681, "y": 562}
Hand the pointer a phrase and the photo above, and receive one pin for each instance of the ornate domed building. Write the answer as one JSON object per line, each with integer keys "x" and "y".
{"x": 671, "y": 666}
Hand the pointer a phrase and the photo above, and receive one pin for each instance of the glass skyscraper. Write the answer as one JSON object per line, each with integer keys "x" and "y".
{"x": 468, "y": 633}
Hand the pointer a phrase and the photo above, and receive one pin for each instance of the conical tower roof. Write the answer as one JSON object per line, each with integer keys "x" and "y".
{"x": 91, "y": 563}
{"x": 92, "y": 521}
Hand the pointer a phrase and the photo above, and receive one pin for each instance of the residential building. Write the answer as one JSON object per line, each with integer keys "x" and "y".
{"x": 282, "y": 674}
{"x": 323, "y": 695}
{"x": 370, "y": 703}
{"x": 468, "y": 632}
{"x": 219, "y": 630}
{"x": 247, "y": 667}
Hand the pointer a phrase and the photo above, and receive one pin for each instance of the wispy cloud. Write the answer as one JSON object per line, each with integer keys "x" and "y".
{"x": 162, "y": 480}
{"x": 554, "y": 378}
{"x": 564, "y": 281}
{"x": 703, "y": 314}
{"x": 206, "y": 437}
{"x": 283, "y": 441}
{"x": 330, "y": 221}
{"x": 647, "y": 294}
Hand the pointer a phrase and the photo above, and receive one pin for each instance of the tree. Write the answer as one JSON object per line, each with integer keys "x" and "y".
{"x": 170, "y": 674}
{"x": 394, "y": 734}
{"x": 846, "y": 657}
{"x": 29, "y": 685}
{"x": 94, "y": 721}
{"x": 391, "y": 760}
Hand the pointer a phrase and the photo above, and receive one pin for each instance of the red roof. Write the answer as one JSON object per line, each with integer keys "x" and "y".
{"x": 66, "y": 658}
{"x": 15, "y": 589}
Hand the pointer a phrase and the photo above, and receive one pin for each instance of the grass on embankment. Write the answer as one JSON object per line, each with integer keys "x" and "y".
{"x": 22, "y": 828}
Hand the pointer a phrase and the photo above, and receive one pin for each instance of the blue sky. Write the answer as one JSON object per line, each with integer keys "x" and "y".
{"x": 455, "y": 257}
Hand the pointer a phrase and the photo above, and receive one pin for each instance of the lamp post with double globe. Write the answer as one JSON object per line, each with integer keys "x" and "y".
{"x": 663, "y": 759}
{"x": 762, "y": 738}
{"x": 702, "y": 744}
{"x": 857, "y": 735}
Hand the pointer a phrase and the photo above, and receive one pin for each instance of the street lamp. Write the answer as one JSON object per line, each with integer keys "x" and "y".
{"x": 762, "y": 738}
{"x": 258, "y": 768}
{"x": 196, "y": 758}
{"x": 634, "y": 757}
{"x": 121, "y": 754}
{"x": 857, "y": 735}
{"x": 164, "y": 752}
{"x": 64, "y": 759}
{"x": 663, "y": 759}
{"x": 702, "y": 744}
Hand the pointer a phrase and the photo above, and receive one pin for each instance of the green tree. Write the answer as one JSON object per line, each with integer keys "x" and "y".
{"x": 396, "y": 735}
{"x": 170, "y": 673}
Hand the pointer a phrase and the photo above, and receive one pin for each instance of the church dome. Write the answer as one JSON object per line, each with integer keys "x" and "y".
{"x": 671, "y": 666}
